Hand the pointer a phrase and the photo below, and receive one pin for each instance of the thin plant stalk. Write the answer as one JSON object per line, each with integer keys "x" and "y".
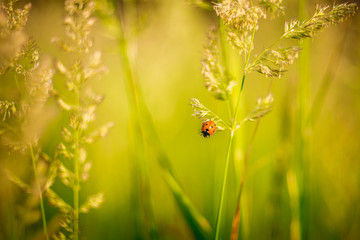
{"x": 234, "y": 125}
{"x": 301, "y": 143}
{"x": 236, "y": 219}
{"x": 223, "y": 187}
{"x": 133, "y": 96}
{"x": 145, "y": 130}
{"x": 76, "y": 163}
{"x": 132, "y": 88}
{"x": 331, "y": 70}
{"x": 218, "y": 220}
{"x": 33, "y": 161}
{"x": 43, "y": 216}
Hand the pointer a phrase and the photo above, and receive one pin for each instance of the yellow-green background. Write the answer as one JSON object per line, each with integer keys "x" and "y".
{"x": 170, "y": 42}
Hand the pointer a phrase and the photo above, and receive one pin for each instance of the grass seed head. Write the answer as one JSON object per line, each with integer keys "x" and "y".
{"x": 319, "y": 21}
{"x": 239, "y": 15}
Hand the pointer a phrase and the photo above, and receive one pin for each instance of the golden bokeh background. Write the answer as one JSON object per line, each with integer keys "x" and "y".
{"x": 169, "y": 42}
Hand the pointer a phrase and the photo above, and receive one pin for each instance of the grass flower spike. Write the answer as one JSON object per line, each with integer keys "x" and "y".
{"x": 240, "y": 20}
{"x": 71, "y": 154}
{"x": 217, "y": 79}
{"x": 320, "y": 20}
{"x": 20, "y": 130}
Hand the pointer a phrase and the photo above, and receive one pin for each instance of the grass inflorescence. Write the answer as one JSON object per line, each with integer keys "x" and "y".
{"x": 20, "y": 132}
{"x": 71, "y": 154}
{"x": 46, "y": 162}
{"x": 241, "y": 21}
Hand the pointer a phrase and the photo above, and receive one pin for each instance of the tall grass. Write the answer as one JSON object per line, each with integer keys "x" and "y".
{"x": 80, "y": 103}
{"x": 301, "y": 163}
{"x": 144, "y": 129}
{"x": 19, "y": 131}
{"x": 134, "y": 92}
{"x": 241, "y": 21}
{"x": 25, "y": 111}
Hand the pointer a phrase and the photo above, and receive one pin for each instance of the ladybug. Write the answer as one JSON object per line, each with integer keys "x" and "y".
{"x": 208, "y": 128}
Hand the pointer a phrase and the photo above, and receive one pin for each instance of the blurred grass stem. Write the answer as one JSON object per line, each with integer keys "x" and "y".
{"x": 145, "y": 130}
{"x": 330, "y": 74}
{"x": 43, "y": 216}
{"x": 300, "y": 164}
{"x": 76, "y": 186}
{"x": 133, "y": 96}
{"x": 236, "y": 219}
{"x": 233, "y": 129}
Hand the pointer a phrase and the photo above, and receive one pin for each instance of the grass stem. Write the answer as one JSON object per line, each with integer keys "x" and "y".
{"x": 76, "y": 186}
{"x": 220, "y": 209}
{"x": 43, "y": 216}
{"x": 236, "y": 219}
{"x": 327, "y": 80}
{"x": 134, "y": 98}
{"x": 299, "y": 208}
{"x": 234, "y": 122}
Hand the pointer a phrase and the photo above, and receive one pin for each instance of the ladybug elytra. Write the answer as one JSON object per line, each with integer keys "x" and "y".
{"x": 208, "y": 128}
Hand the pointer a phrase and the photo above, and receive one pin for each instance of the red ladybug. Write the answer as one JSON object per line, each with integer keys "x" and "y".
{"x": 208, "y": 128}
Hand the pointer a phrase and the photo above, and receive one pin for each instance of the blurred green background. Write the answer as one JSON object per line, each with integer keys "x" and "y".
{"x": 170, "y": 39}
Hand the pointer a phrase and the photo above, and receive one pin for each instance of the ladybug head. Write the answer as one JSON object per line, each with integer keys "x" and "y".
{"x": 205, "y": 133}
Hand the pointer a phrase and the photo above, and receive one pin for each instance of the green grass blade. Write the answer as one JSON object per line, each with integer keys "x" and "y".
{"x": 198, "y": 224}
{"x": 296, "y": 176}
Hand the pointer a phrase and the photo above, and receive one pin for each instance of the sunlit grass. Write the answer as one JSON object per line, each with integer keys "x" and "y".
{"x": 157, "y": 176}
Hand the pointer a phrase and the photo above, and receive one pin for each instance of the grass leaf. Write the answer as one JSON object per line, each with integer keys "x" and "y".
{"x": 197, "y": 222}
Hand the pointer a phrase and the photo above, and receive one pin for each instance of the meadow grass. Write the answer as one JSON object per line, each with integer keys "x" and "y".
{"x": 241, "y": 21}
{"x": 234, "y": 34}
{"x": 145, "y": 132}
{"x": 18, "y": 130}
{"x": 80, "y": 103}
